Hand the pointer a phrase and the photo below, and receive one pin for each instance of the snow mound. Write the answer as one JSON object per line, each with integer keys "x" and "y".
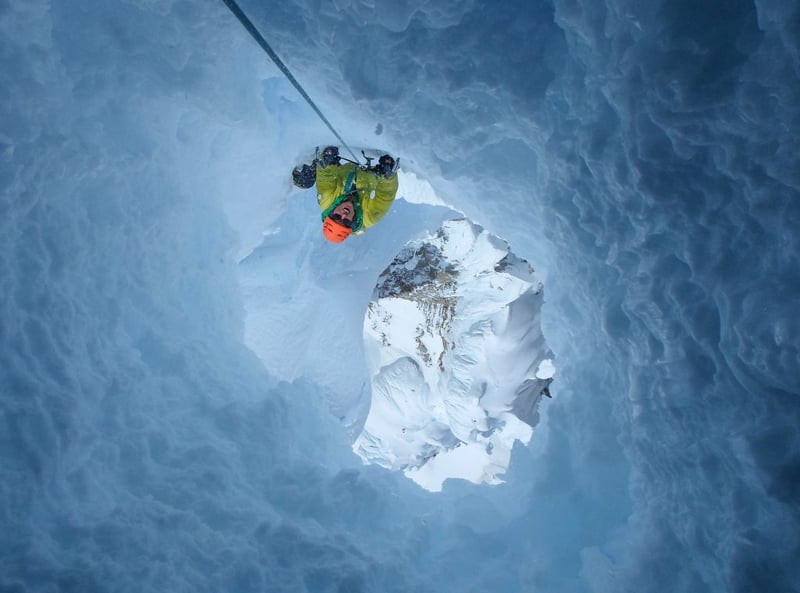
{"x": 457, "y": 359}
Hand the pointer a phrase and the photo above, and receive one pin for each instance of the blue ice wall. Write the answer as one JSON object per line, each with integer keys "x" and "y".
{"x": 641, "y": 157}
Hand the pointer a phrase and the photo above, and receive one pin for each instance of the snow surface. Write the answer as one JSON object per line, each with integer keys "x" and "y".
{"x": 642, "y": 156}
{"x": 453, "y": 346}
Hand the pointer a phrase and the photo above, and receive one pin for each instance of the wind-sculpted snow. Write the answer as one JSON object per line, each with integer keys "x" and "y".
{"x": 456, "y": 356}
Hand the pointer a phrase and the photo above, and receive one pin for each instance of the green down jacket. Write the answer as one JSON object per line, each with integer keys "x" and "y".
{"x": 375, "y": 193}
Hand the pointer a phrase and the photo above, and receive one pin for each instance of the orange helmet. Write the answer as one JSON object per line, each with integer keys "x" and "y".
{"x": 334, "y": 231}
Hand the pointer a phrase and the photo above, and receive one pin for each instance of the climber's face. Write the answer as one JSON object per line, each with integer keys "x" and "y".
{"x": 344, "y": 213}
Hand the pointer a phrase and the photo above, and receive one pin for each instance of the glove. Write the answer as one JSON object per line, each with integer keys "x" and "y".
{"x": 304, "y": 177}
{"x": 330, "y": 156}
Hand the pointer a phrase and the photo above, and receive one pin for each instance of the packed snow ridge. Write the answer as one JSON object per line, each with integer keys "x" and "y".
{"x": 457, "y": 359}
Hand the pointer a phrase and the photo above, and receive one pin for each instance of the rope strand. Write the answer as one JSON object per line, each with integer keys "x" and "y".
{"x": 247, "y": 24}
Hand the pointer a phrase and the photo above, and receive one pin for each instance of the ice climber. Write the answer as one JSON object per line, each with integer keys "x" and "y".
{"x": 352, "y": 198}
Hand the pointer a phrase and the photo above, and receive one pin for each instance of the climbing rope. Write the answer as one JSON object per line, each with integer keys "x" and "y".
{"x": 247, "y": 24}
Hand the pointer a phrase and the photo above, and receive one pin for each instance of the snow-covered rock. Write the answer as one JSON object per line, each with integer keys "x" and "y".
{"x": 457, "y": 358}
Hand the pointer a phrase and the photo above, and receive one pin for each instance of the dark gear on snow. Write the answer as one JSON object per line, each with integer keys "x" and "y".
{"x": 305, "y": 177}
{"x": 330, "y": 156}
{"x": 386, "y": 166}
